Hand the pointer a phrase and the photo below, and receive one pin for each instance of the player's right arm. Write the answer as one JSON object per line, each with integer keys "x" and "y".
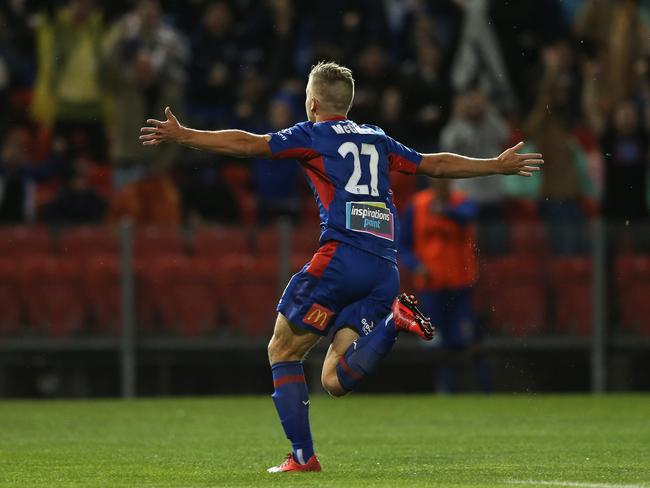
{"x": 237, "y": 143}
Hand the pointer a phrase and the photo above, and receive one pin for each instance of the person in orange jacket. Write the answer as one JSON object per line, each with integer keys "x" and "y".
{"x": 438, "y": 244}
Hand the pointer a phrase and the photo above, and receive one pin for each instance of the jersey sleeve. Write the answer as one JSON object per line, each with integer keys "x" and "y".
{"x": 292, "y": 143}
{"x": 401, "y": 158}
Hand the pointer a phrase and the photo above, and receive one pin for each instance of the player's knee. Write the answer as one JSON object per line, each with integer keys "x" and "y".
{"x": 274, "y": 350}
{"x": 332, "y": 386}
{"x": 282, "y": 350}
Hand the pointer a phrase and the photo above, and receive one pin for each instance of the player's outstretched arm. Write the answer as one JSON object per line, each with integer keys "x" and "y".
{"x": 509, "y": 162}
{"x": 237, "y": 143}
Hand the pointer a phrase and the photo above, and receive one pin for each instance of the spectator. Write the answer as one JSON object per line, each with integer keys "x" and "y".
{"x": 69, "y": 89}
{"x": 17, "y": 187}
{"x": 478, "y": 130}
{"x": 614, "y": 30}
{"x": 251, "y": 102}
{"x": 216, "y": 55}
{"x": 276, "y": 183}
{"x": 479, "y": 58}
{"x": 391, "y": 115}
{"x": 279, "y": 53}
{"x": 426, "y": 98}
{"x": 439, "y": 23}
{"x": 372, "y": 76}
{"x": 345, "y": 25}
{"x": 437, "y": 244}
{"x": 391, "y": 121}
{"x": 206, "y": 196}
{"x": 16, "y": 63}
{"x": 625, "y": 145}
{"x": 26, "y": 184}
{"x": 77, "y": 203}
{"x": 147, "y": 60}
{"x": 522, "y": 28}
{"x": 152, "y": 200}
{"x": 565, "y": 179}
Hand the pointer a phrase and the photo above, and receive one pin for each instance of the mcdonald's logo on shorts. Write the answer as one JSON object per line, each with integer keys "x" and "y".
{"x": 318, "y": 316}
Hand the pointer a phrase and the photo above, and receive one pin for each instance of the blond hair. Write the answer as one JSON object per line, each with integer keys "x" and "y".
{"x": 333, "y": 85}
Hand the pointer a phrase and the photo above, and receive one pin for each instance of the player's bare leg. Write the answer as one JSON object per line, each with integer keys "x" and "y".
{"x": 287, "y": 348}
{"x": 288, "y": 342}
{"x": 351, "y": 358}
{"x": 340, "y": 344}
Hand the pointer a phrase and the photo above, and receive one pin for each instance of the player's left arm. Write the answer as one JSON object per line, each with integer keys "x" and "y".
{"x": 509, "y": 162}
{"x": 237, "y": 143}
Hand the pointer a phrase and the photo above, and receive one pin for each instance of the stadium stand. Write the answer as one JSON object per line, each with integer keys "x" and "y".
{"x": 11, "y": 305}
{"x": 101, "y": 278}
{"x": 632, "y": 278}
{"x": 571, "y": 283}
{"x": 88, "y": 241}
{"x": 510, "y": 292}
{"x": 52, "y": 288}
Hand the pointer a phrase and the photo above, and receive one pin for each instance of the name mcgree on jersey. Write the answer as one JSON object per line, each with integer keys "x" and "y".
{"x": 351, "y": 128}
{"x": 370, "y": 217}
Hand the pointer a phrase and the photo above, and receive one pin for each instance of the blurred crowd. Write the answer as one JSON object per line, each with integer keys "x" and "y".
{"x": 79, "y": 77}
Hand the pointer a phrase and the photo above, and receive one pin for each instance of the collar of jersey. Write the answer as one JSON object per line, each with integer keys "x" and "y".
{"x": 336, "y": 117}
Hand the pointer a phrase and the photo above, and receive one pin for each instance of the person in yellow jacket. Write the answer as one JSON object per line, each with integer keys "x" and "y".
{"x": 438, "y": 244}
{"x": 70, "y": 94}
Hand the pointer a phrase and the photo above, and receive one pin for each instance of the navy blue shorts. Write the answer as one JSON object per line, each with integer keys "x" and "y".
{"x": 341, "y": 286}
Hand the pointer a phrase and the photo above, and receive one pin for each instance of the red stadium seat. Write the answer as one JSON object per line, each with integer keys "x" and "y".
{"x": 305, "y": 239}
{"x": 633, "y": 286}
{"x": 179, "y": 292}
{"x": 102, "y": 287}
{"x": 298, "y": 261}
{"x": 217, "y": 241}
{"x": 11, "y": 316}
{"x": 151, "y": 241}
{"x": 529, "y": 240}
{"x": 522, "y": 210}
{"x": 145, "y": 305}
{"x": 571, "y": 284}
{"x": 25, "y": 241}
{"x": 88, "y": 241}
{"x": 195, "y": 309}
{"x": 510, "y": 292}
{"x": 153, "y": 289}
{"x": 267, "y": 241}
{"x": 251, "y": 285}
{"x": 52, "y": 290}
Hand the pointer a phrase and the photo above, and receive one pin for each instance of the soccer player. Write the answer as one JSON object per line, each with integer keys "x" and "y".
{"x": 350, "y": 286}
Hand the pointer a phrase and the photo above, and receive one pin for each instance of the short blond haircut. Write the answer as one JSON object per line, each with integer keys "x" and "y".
{"x": 333, "y": 85}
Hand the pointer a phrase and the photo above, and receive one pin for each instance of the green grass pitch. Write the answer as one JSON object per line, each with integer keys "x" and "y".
{"x": 363, "y": 440}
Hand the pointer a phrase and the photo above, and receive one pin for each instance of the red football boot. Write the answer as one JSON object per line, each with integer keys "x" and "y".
{"x": 290, "y": 464}
{"x": 409, "y": 318}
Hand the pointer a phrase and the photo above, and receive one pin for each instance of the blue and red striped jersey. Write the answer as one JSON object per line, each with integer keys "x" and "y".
{"x": 348, "y": 167}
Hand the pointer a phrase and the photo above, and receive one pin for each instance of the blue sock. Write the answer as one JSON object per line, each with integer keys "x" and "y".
{"x": 291, "y": 400}
{"x": 364, "y": 355}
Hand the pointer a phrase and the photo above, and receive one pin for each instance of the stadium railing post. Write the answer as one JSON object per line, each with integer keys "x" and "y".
{"x": 127, "y": 342}
{"x": 599, "y": 304}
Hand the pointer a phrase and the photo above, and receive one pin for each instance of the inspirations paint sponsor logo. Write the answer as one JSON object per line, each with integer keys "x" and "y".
{"x": 371, "y": 218}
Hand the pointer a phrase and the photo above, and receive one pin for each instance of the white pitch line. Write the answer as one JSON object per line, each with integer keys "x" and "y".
{"x": 575, "y": 484}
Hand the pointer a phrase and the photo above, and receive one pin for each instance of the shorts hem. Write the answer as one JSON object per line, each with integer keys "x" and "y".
{"x": 301, "y": 325}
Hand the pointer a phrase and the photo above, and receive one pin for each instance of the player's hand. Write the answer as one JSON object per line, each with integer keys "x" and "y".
{"x": 512, "y": 163}
{"x": 158, "y": 131}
